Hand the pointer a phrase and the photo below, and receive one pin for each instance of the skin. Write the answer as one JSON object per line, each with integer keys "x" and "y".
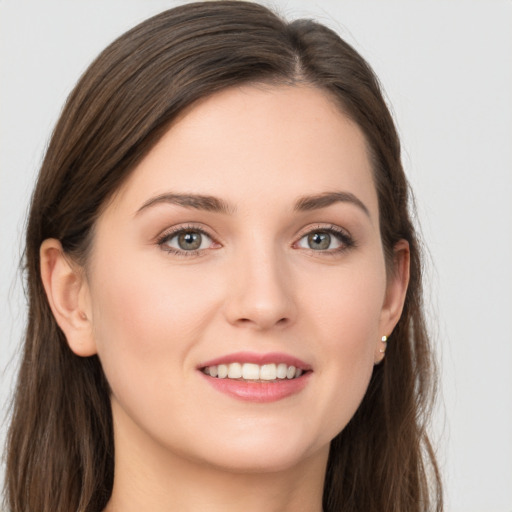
{"x": 154, "y": 316}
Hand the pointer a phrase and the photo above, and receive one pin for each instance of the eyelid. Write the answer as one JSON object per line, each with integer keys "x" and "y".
{"x": 343, "y": 235}
{"x": 173, "y": 231}
{"x": 345, "y": 238}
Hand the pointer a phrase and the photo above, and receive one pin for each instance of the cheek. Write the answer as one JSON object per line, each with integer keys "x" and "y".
{"x": 146, "y": 319}
{"x": 347, "y": 304}
{"x": 346, "y": 318}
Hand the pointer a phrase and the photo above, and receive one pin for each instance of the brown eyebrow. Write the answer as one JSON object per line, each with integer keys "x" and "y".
{"x": 318, "y": 201}
{"x": 198, "y": 202}
{"x": 214, "y": 204}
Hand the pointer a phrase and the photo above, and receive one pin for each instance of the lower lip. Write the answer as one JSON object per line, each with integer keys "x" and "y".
{"x": 261, "y": 392}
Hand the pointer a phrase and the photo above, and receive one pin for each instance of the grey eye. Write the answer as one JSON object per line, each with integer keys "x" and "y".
{"x": 189, "y": 240}
{"x": 320, "y": 241}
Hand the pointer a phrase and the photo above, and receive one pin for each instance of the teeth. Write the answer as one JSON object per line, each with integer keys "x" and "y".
{"x": 222, "y": 371}
{"x": 291, "y": 372}
{"x": 234, "y": 371}
{"x": 251, "y": 371}
{"x": 268, "y": 372}
{"x": 282, "y": 370}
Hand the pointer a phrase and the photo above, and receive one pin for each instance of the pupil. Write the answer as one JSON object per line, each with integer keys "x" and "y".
{"x": 319, "y": 241}
{"x": 189, "y": 241}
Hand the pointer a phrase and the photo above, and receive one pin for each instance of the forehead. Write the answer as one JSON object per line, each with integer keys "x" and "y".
{"x": 257, "y": 144}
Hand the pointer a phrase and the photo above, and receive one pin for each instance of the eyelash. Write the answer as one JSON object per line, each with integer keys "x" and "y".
{"x": 346, "y": 240}
{"x": 173, "y": 232}
{"x": 340, "y": 234}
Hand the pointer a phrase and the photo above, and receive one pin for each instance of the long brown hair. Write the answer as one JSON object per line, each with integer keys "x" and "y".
{"x": 60, "y": 453}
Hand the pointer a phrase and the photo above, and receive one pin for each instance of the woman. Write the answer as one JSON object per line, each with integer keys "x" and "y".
{"x": 218, "y": 249}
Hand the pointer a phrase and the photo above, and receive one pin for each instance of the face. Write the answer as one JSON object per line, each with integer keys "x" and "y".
{"x": 246, "y": 242}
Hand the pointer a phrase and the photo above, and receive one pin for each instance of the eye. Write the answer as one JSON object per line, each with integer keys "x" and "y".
{"x": 185, "y": 240}
{"x": 326, "y": 239}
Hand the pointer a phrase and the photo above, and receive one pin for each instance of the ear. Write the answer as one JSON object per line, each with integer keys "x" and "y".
{"x": 396, "y": 290}
{"x": 68, "y": 296}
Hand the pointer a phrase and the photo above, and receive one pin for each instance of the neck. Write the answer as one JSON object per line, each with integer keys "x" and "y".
{"x": 148, "y": 478}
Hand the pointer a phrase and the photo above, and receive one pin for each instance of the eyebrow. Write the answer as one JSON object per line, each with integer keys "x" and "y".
{"x": 195, "y": 201}
{"x": 307, "y": 203}
{"x": 214, "y": 204}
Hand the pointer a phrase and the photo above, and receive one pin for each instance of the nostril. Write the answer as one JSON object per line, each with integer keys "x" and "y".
{"x": 262, "y": 323}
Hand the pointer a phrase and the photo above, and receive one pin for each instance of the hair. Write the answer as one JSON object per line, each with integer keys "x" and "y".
{"x": 60, "y": 446}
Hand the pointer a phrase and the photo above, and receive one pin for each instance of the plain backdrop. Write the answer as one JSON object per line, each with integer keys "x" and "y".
{"x": 446, "y": 68}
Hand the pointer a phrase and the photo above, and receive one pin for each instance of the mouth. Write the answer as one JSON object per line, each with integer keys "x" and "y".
{"x": 252, "y": 372}
{"x": 257, "y": 377}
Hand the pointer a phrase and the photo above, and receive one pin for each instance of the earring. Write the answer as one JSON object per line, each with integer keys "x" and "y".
{"x": 384, "y": 340}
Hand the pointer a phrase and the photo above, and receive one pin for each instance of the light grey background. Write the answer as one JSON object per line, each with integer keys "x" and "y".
{"x": 447, "y": 70}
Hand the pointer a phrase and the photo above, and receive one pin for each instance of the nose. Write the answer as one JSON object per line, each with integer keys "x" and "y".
{"x": 260, "y": 291}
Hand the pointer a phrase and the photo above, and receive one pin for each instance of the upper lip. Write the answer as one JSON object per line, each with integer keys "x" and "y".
{"x": 259, "y": 359}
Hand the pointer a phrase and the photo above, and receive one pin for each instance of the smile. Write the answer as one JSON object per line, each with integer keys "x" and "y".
{"x": 253, "y": 372}
{"x": 252, "y": 377}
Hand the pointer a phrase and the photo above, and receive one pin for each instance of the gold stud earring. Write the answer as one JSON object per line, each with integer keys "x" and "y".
{"x": 384, "y": 340}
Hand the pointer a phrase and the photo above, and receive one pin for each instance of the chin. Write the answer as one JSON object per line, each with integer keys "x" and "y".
{"x": 269, "y": 453}
{"x": 251, "y": 463}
